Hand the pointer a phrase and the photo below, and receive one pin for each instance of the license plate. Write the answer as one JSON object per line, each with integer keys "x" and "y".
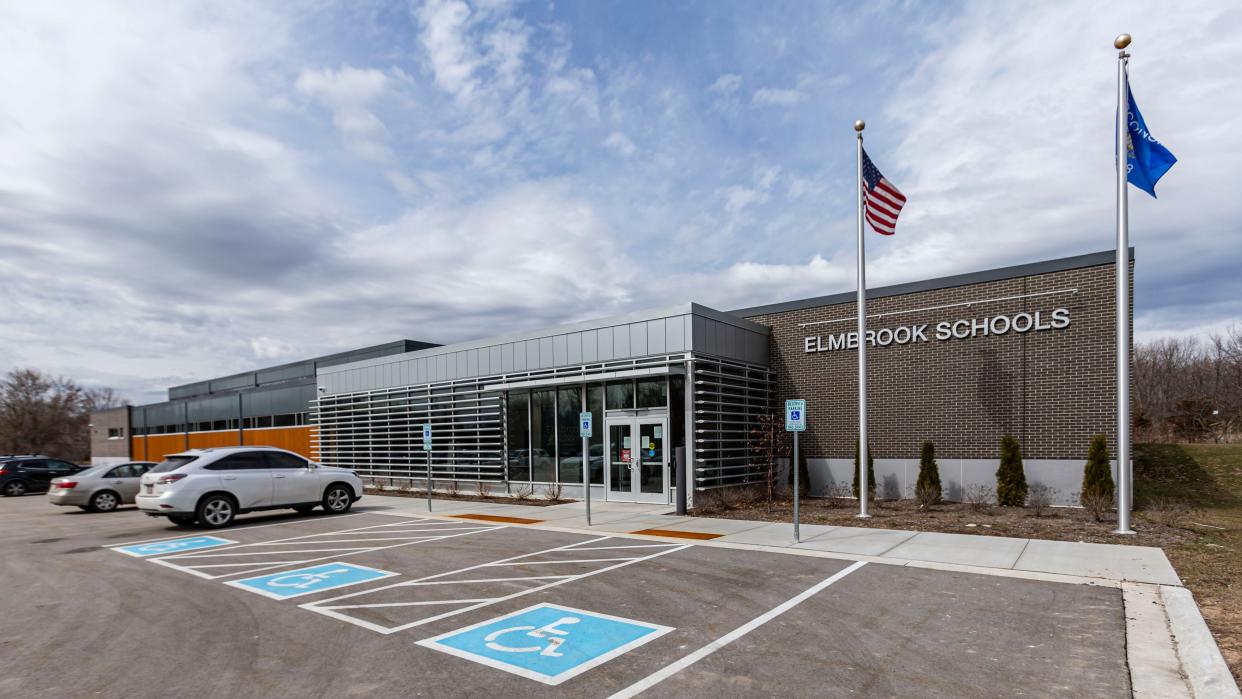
{"x": 150, "y": 489}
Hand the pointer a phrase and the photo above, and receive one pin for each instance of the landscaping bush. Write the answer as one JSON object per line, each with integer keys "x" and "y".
{"x": 804, "y": 473}
{"x": 1039, "y": 498}
{"x": 1096, "y": 504}
{"x": 1010, "y": 478}
{"x": 927, "y": 487}
{"x": 870, "y": 471}
{"x": 1097, "y": 476}
{"x": 553, "y": 492}
{"x": 979, "y": 496}
{"x": 837, "y": 493}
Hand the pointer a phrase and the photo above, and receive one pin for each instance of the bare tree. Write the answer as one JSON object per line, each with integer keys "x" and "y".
{"x": 767, "y": 442}
{"x": 1185, "y": 389}
{"x": 42, "y": 414}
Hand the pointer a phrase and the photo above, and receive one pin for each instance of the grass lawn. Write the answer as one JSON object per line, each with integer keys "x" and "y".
{"x": 1210, "y": 564}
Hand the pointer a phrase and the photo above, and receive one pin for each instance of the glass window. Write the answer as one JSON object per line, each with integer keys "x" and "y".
{"x": 118, "y": 472}
{"x": 56, "y": 465}
{"x": 543, "y": 435}
{"x": 172, "y": 463}
{"x": 620, "y": 395}
{"x": 677, "y": 410}
{"x": 116, "y": 432}
{"x": 277, "y": 459}
{"x": 519, "y": 435}
{"x": 245, "y": 461}
{"x": 265, "y": 421}
{"x": 595, "y": 399}
{"x": 569, "y": 455}
{"x": 286, "y": 420}
{"x": 652, "y": 393}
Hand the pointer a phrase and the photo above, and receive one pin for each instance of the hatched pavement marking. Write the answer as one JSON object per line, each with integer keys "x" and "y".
{"x": 471, "y": 603}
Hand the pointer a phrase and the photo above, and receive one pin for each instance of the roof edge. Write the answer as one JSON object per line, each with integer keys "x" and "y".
{"x": 1094, "y": 259}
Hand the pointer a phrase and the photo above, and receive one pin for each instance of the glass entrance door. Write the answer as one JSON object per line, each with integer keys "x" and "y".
{"x": 620, "y": 460}
{"x": 638, "y": 459}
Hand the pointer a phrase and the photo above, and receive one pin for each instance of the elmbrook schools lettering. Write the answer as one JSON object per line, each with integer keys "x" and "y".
{"x": 944, "y": 330}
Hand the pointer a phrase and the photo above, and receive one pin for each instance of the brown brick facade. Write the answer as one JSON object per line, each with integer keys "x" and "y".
{"x": 1052, "y": 389}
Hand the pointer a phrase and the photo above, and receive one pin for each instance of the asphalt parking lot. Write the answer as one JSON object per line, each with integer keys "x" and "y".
{"x": 371, "y": 604}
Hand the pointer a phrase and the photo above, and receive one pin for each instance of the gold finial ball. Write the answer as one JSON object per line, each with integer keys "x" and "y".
{"x": 1121, "y": 42}
{"x": 860, "y": 125}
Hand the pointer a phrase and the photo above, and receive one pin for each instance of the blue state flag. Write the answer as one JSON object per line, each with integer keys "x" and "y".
{"x": 1146, "y": 159}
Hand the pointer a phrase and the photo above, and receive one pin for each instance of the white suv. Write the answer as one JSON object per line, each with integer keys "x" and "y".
{"x": 212, "y": 486}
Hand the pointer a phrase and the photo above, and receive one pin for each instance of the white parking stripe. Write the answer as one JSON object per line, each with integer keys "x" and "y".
{"x": 679, "y": 665}
{"x": 190, "y": 565}
{"x": 231, "y": 530}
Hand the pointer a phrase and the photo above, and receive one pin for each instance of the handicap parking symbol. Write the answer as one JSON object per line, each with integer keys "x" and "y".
{"x": 306, "y": 581}
{"x": 188, "y": 543}
{"x": 548, "y": 643}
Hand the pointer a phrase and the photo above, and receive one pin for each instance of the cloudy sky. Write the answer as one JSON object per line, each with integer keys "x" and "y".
{"x": 189, "y": 189}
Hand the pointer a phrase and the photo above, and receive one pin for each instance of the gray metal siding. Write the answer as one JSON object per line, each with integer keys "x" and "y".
{"x": 671, "y": 330}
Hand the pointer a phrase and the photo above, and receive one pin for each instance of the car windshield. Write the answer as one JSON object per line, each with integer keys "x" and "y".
{"x": 172, "y": 463}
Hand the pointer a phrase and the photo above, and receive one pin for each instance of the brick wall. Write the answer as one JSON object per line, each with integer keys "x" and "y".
{"x": 1051, "y": 389}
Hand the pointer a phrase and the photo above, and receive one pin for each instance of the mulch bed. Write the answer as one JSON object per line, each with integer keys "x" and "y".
{"x": 1056, "y": 523}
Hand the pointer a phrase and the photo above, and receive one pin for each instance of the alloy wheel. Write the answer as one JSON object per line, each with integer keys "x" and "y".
{"x": 337, "y": 499}
{"x": 218, "y": 512}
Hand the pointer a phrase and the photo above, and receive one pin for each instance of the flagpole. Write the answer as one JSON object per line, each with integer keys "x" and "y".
{"x": 1125, "y": 487}
{"x": 862, "y": 333}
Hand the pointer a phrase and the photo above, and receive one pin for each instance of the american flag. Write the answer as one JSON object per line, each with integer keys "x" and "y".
{"x": 883, "y": 202}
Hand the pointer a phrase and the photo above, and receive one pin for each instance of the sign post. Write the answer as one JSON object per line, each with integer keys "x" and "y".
{"x": 795, "y": 421}
{"x": 427, "y": 448}
{"x": 585, "y": 430}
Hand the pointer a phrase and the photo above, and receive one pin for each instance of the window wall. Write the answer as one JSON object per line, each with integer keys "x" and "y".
{"x": 543, "y": 441}
{"x": 543, "y": 434}
{"x": 519, "y": 435}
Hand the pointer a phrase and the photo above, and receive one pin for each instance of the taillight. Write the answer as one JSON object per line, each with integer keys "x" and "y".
{"x": 66, "y": 484}
{"x": 170, "y": 478}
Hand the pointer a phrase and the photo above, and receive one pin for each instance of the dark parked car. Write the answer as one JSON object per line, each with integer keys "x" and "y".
{"x": 32, "y": 473}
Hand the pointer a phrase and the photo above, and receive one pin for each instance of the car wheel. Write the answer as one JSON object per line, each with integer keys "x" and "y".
{"x": 182, "y": 520}
{"x": 216, "y": 511}
{"x": 303, "y": 509}
{"x": 104, "y": 501}
{"x": 337, "y": 499}
{"x": 14, "y": 489}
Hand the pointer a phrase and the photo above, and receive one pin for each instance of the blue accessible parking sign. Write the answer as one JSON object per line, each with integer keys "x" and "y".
{"x": 306, "y": 581}
{"x": 548, "y": 643}
{"x": 188, "y": 543}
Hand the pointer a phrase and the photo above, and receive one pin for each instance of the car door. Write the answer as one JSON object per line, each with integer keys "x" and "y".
{"x": 36, "y": 473}
{"x": 295, "y": 480}
{"x": 124, "y": 480}
{"x": 247, "y": 477}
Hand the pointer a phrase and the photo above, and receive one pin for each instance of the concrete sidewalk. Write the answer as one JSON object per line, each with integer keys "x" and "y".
{"x": 1112, "y": 562}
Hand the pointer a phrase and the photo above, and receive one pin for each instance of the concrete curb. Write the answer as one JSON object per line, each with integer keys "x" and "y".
{"x": 1151, "y": 654}
{"x": 1200, "y": 657}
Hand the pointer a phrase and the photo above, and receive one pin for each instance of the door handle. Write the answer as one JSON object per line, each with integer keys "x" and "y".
{"x": 277, "y": 476}
{"x": 228, "y": 478}
{"x": 116, "y": 482}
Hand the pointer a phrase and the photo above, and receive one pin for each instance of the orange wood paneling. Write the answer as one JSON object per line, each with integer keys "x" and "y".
{"x": 138, "y": 448}
{"x": 161, "y": 445}
{"x": 295, "y": 439}
{"x": 205, "y": 440}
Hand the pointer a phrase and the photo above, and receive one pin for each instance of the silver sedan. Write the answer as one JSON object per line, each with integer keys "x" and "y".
{"x": 99, "y": 489}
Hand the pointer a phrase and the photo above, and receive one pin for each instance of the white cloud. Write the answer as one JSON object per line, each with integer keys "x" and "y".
{"x": 349, "y": 94}
{"x": 1001, "y": 149}
{"x": 726, "y": 84}
{"x": 620, "y": 143}
{"x": 772, "y": 96}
